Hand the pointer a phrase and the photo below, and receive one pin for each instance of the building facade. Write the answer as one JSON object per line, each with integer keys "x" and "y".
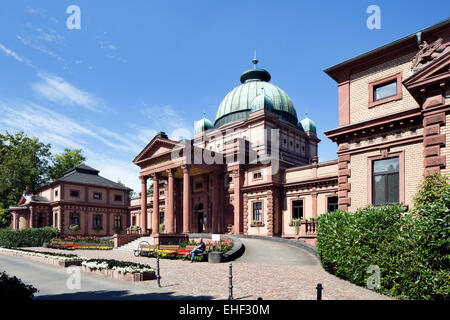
{"x": 79, "y": 203}
{"x": 255, "y": 170}
{"x": 393, "y": 118}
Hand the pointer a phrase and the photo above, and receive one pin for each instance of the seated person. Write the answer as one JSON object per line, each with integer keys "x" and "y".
{"x": 200, "y": 249}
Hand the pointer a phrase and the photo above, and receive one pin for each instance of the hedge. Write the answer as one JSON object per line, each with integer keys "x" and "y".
{"x": 411, "y": 249}
{"x": 31, "y": 237}
{"x": 12, "y": 288}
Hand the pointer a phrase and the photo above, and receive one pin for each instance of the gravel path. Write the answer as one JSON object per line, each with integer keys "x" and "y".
{"x": 267, "y": 269}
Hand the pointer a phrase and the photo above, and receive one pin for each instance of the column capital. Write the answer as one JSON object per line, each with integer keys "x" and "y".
{"x": 143, "y": 179}
{"x": 155, "y": 175}
{"x": 170, "y": 172}
{"x": 186, "y": 168}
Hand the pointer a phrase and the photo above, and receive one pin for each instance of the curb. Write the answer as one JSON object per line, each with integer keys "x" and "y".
{"x": 302, "y": 245}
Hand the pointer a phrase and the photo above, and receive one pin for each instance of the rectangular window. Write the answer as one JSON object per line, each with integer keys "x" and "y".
{"x": 198, "y": 185}
{"x": 75, "y": 193}
{"x": 133, "y": 223}
{"x": 257, "y": 175}
{"x": 117, "y": 221}
{"x": 385, "y": 181}
{"x": 332, "y": 204}
{"x": 257, "y": 211}
{"x": 97, "y": 195}
{"x": 117, "y": 197}
{"x": 385, "y": 91}
{"x": 297, "y": 209}
{"x": 161, "y": 217}
{"x": 75, "y": 219}
{"x": 98, "y": 221}
{"x": 56, "y": 193}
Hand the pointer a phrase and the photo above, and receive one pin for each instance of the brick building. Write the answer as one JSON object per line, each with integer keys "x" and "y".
{"x": 81, "y": 202}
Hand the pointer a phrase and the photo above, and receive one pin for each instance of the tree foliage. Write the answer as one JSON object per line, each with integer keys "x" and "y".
{"x": 24, "y": 162}
{"x": 411, "y": 249}
{"x": 65, "y": 161}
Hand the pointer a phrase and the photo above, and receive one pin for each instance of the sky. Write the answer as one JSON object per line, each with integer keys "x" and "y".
{"x": 134, "y": 68}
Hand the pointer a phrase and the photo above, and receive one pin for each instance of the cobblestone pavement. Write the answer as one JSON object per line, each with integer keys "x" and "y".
{"x": 267, "y": 269}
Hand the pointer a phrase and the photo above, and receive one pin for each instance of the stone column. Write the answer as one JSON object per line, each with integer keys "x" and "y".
{"x": 31, "y": 216}
{"x": 215, "y": 203}
{"x": 186, "y": 200}
{"x": 143, "y": 205}
{"x": 155, "y": 215}
{"x": 170, "y": 203}
{"x": 237, "y": 202}
{"x": 314, "y": 204}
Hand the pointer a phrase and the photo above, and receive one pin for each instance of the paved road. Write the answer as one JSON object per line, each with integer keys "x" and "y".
{"x": 52, "y": 283}
{"x": 275, "y": 253}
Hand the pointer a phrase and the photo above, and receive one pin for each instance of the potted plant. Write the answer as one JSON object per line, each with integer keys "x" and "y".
{"x": 161, "y": 228}
{"x": 97, "y": 228}
{"x": 296, "y": 224}
{"x": 215, "y": 254}
{"x": 74, "y": 227}
{"x": 117, "y": 229}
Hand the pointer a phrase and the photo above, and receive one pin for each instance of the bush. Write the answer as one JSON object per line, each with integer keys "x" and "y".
{"x": 12, "y": 288}
{"x": 32, "y": 237}
{"x": 411, "y": 249}
{"x": 431, "y": 189}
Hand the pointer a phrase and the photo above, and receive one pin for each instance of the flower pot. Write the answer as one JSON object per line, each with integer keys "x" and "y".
{"x": 215, "y": 257}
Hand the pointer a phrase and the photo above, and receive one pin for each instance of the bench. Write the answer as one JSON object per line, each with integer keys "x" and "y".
{"x": 144, "y": 246}
{"x": 190, "y": 248}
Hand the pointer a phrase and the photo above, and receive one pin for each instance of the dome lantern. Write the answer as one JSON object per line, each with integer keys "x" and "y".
{"x": 308, "y": 125}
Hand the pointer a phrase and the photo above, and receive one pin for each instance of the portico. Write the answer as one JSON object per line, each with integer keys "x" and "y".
{"x": 178, "y": 197}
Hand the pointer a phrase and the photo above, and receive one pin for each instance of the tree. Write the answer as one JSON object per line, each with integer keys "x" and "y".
{"x": 23, "y": 163}
{"x": 65, "y": 161}
{"x": 132, "y": 193}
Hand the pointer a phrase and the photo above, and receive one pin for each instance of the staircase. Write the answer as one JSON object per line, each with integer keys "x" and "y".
{"x": 133, "y": 245}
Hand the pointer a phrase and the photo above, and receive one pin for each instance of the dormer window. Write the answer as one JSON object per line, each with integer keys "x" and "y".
{"x": 385, "y": 90}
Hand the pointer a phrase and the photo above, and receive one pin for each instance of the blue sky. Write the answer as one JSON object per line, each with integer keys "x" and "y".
{"x": 138, "y": 67}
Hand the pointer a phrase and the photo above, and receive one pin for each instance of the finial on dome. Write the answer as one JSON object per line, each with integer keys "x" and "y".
{"x": 306, "y": 114}
{"x": 204, "y": 114}
{"x": 255, "y": 61}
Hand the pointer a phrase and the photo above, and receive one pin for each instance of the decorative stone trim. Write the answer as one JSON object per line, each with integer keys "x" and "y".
{"x": 344, "y": 187}
{"x": 245, "y": 210}
{"x": 433, "y": 141}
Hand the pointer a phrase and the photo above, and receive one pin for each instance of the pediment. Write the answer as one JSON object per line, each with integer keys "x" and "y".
{"x": 434, "y": 73}
{"x": 157, "y": 147}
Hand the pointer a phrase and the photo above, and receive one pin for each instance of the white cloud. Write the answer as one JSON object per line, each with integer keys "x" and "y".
{"x": 13, "y": 54}
{"x": 166, "y": 118}
{"x": 62, "y": 132}
{"x": 58, "y": 90}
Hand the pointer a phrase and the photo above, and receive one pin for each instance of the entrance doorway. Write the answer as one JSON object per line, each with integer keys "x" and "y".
{"x": 201, "y": 218}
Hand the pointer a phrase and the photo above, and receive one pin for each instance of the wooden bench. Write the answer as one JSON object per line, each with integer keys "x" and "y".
{"x": 190, "y": 248}
{"x": 168, "y": 247}
{"x": 144, "y": 246}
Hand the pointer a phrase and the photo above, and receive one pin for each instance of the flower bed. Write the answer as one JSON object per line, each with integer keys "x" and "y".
{"x": 60, "y": 259}
{"x": 121, "y": 270}
{"x": 81, "y": 243}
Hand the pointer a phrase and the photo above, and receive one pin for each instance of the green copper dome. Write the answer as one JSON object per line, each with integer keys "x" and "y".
{"x": 238, "y": 103}
{"x": 308, "y": 125}
{"x": 203, "y": 125}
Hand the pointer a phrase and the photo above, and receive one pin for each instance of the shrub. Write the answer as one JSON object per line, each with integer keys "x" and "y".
{"x": 431, "y": 189}
{"x": 31, "y": 237}
{"x": 12, "y": 288}
{"x": 411, "y": 249}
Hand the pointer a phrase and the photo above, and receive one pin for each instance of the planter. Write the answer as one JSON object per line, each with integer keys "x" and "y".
{"x": 45, "y": 244}
{"x": 113, "y": 274}
{"x": 215, "y": 257}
